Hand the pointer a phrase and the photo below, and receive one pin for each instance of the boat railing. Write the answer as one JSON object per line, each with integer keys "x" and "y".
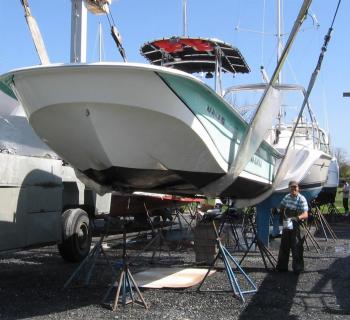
{"x": 303, "y": 131}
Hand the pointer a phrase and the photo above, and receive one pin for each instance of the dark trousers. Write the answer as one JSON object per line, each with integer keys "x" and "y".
{"x": 292, "y": 240}
{"x": 346, "y": 204}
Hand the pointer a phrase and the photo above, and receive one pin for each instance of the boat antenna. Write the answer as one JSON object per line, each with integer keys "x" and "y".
{"x": 36, "y": 34}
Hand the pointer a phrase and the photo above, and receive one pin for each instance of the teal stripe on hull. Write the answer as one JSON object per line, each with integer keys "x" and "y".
{"x": 224, "y": 125}
{"x": 5, "y": 88}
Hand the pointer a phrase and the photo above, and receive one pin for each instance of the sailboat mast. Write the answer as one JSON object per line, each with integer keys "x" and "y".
{"x": 279, "y": 49}
{"x": 279, "y": 34}
{"x": 100, "y": 42}
{"x": 184, "y": 17}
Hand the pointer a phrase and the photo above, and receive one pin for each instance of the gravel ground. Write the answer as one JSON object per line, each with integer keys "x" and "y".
{"x": 31, "y": 288}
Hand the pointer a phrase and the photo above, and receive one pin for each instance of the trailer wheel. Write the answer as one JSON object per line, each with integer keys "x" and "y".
{"x": 76, "y": 237}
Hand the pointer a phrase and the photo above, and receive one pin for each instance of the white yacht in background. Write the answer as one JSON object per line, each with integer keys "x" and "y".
{"x": 305, "y": 144}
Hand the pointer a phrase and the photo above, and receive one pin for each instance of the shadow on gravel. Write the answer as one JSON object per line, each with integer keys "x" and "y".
{"x": 338, "y": 276}
{"x": 274, "y": 298}
{"x": 31, "y": 286}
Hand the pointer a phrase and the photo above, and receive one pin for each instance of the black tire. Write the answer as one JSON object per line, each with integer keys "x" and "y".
{"x": 76, "y": 235}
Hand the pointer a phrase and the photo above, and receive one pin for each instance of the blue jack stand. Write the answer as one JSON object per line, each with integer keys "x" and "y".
{"x": 264, "y": 251}
{"x": 88, "y": 264}
{"x": 227, "y": 259}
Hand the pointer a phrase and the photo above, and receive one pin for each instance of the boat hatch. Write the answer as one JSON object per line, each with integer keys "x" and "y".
{"x": 194, "y": 55}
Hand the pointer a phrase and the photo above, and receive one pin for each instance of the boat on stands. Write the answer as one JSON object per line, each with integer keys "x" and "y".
{"x": 153, "y": 128}
{"x": 156, "y": 128}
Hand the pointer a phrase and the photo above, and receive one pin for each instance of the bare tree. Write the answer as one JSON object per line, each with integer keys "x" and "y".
{"x": 341, "y": 156}
{"x": 343, "y": 162}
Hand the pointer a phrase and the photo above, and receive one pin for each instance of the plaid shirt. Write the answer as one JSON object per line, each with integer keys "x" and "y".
{"x": 297, "y": 203}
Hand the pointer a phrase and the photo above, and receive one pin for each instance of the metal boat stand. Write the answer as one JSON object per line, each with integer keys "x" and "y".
{"x": 87, "y": 265}
{"x": 157, "y": 240}
{"x": 332, "y": 209}
{"x": 228, "y": 220}
{"x": 126, "y": 284}
{"x": 322, "y": 223}
{"x": 227, "y": 259}
{"x": 176, "y": 233}
{"x": 309, "y": 235}
{"x": 179, "y": 216}
{"x": 264, "y": 251}
{"x": 191, "y": 208}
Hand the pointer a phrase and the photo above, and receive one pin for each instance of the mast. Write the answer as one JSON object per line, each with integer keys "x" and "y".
{"x": 279, "y": 35}
{"x": 100, "y": 42}
{"x": 78, "y": 32}
{"x": 184, "y": 17}
{"x": 279, "y": 51}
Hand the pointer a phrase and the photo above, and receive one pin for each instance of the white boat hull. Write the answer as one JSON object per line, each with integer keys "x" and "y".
{"x": 127, "y": 129}
{"x": 307, "y": 164}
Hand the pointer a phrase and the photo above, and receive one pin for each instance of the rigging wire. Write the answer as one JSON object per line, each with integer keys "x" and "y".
{"x": 327, "y": 39}
{"x": 115, "y": 34}
{"x": 315, "y": 73}
{"x": 310, "y": 86}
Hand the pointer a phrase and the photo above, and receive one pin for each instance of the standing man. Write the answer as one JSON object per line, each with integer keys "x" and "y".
{"x": 345, "y": 191}
{"x": 294, "y": 210}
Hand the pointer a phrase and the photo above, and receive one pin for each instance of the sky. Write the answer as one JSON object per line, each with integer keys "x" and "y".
{"x": 249, "y": 25}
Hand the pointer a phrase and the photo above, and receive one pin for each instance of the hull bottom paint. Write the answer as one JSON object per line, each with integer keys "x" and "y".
{"x": 327, "y": 195}
{"x": 173, "y": 182}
